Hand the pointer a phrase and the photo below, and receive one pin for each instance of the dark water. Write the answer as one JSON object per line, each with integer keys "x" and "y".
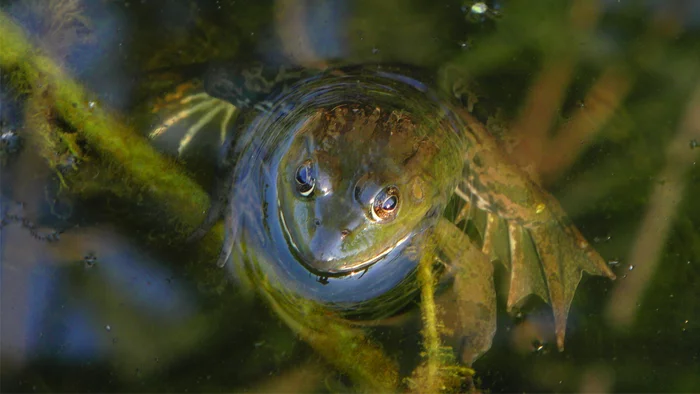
{"x": 100, "y": 293}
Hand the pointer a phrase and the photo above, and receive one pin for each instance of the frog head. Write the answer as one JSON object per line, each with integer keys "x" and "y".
{"x": 353, "y": 187}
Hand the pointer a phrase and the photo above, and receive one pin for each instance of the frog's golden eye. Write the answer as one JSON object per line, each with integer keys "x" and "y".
{"x": 305, "y": 179}
{"x": 386, "y": 204}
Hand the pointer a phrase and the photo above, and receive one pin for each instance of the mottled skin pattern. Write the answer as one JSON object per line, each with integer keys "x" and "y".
{"x": 355, "y": 153}
{"x": 531, "y": 215}
{"x": 524, "y": 227}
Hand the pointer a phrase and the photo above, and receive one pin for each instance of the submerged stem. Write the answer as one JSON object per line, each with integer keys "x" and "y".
{"x": 120, "y": 163}
{"x": 440, "y": 370}
{"x": 345, "y": 347}
{"x": 431, "y": 339}
{"x": 143, "y": 172}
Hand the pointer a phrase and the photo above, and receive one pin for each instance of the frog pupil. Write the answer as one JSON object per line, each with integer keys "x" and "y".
{"x": 304, "y": 179}
{"x": 303, "y": 176}
{"x": 390, "y": 203}
{"x": 385, "y": 204}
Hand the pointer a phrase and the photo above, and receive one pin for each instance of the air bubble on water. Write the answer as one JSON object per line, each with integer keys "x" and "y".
{"x": 92, "y": 104}
{"x": 479, "y": 8}
{"x": 631, "y": 267}
{"x": 539, "y": 347}
{"x": 375, "y": 50}
{"x": 613, "y": 263}
{"x": 108, "y": 328}
{"x": 694, "y": 143}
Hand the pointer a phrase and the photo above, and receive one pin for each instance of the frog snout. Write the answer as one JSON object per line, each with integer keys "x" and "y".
{"x": 326, "y": 243}
{"x": 334, "y": 221}
{"x": 343, "y": 233}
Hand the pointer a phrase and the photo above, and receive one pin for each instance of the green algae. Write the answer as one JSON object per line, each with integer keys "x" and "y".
{"x": 56, "y": 96}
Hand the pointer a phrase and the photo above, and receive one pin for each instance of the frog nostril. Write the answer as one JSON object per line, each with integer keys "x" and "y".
{"x": 317, "y": 222}
{"x": 344, "y": 233}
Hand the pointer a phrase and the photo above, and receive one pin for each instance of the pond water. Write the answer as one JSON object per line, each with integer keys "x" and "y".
{"x": 597, "y": 101}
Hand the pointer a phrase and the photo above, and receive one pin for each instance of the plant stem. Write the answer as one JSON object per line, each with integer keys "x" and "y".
{"x": 144, "y": 173}
{"x": 431, "y": 338}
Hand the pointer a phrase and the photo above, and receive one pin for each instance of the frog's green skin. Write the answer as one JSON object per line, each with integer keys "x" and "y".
{"x": 527, "y": 229}
{"x": 355, "y": 151}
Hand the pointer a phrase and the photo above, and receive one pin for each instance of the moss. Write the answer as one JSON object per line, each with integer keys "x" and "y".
{"x": 140, "y": 172}
{"x": 345, "y": 347}
{"x": 96, "y": 156}
{"x": 440, "y": 371}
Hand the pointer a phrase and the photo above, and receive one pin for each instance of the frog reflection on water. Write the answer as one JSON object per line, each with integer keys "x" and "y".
{"x": 351, "y": 170}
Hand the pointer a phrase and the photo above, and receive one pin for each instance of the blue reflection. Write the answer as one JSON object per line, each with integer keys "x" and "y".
{"x": 57, "y": 326}
{"x": 326, "y": 24}
{"x": 87, "y": 37}
{"x": 42, "y": 332}
{"x": 70, "y": 304}
{"x": 147, "y": 286}
{"x": 80, "y": 340}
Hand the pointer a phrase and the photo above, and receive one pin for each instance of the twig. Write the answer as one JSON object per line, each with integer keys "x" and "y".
{"x": 663, "y": 205}
{"x": 545, "y": 97}
{"x": 600, "y": 105}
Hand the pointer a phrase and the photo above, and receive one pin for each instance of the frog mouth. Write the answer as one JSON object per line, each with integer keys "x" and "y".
{"x": 323, "y": 268}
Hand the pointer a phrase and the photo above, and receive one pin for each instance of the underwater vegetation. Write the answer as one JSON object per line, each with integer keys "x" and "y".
{"x": 597, "y": 102}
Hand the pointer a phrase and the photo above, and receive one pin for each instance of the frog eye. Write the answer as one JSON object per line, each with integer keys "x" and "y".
{"x": 386, "y": 204}
{"x": 305, "y": 179}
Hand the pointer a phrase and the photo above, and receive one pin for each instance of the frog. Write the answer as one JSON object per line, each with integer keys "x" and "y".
{"x": 335, "y": 185}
